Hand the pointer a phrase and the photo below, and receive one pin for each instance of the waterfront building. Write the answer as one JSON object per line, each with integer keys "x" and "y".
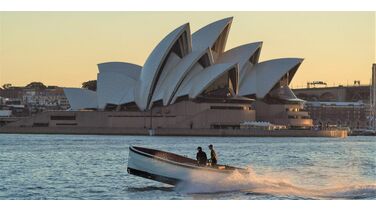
{"x": 45, "y": 99}
{"x": 14, "y": 93}
{"x": 35, "y": 98}
{"x": 338, "y": 114}
{"x": 341, "y": 106}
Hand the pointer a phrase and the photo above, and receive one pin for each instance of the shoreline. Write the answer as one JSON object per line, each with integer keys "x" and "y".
{"x": 174, "y": 132}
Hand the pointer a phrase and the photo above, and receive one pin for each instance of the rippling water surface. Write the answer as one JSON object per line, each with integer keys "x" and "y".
{"x": 94, "y": 167}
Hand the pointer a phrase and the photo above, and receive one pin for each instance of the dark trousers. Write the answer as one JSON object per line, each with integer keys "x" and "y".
{"x": 214, "y": 162}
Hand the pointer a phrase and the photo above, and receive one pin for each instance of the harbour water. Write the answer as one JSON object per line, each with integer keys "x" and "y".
{"x": 94, "y": 167}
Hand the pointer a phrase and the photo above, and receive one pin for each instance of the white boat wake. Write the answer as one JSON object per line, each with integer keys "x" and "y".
{"x": 273, "y": 185}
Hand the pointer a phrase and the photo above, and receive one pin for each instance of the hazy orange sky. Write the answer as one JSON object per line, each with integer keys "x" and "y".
{"x": 63, "y": 48}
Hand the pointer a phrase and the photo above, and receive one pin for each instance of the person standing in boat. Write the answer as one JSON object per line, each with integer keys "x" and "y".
{"x": 201, "y": 157}
{"x": 213, "y": 156}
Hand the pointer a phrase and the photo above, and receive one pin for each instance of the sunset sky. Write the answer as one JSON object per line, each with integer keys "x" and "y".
{"x": 63, "y": 48}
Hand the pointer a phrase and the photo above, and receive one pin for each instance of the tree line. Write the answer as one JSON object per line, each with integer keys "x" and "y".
{"x": 91, "y": 85}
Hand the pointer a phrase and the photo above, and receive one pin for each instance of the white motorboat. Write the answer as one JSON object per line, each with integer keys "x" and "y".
{"x": 171, "y": 168}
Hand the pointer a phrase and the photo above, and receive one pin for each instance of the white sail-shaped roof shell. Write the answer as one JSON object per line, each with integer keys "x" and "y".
{"x": 129, "y": 69}
{"x": 199, "y": 82}
{"x": 171, "y": 83}
{"x": 116, "y": 82}
{"x": 241, "y": 55}
{"x": 262, "y": 77}
{"x": 183, "y": 65}
{"x": 208, "y": 36}
{"x": 80, "y": 98}
{"x": 153, "y": 66}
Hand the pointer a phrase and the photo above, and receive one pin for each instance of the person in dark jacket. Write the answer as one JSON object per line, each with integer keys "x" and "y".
{"x": 213, "y": 156}
{"x": 201, "y": 157}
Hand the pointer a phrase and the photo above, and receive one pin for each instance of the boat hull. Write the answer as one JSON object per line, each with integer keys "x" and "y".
{"x": 150, "y": 176}
{"x": 166, "y": 171}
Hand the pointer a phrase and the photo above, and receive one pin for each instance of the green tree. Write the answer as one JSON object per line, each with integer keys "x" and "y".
{"x": 91, "y": 85}
{"x": 36, "y": 85}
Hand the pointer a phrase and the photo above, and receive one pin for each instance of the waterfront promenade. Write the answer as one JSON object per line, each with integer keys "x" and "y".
{"x": 175, "y": 132}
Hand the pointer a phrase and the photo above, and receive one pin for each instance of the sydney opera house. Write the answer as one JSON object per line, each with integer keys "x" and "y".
{"x": 188, "y": 81}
